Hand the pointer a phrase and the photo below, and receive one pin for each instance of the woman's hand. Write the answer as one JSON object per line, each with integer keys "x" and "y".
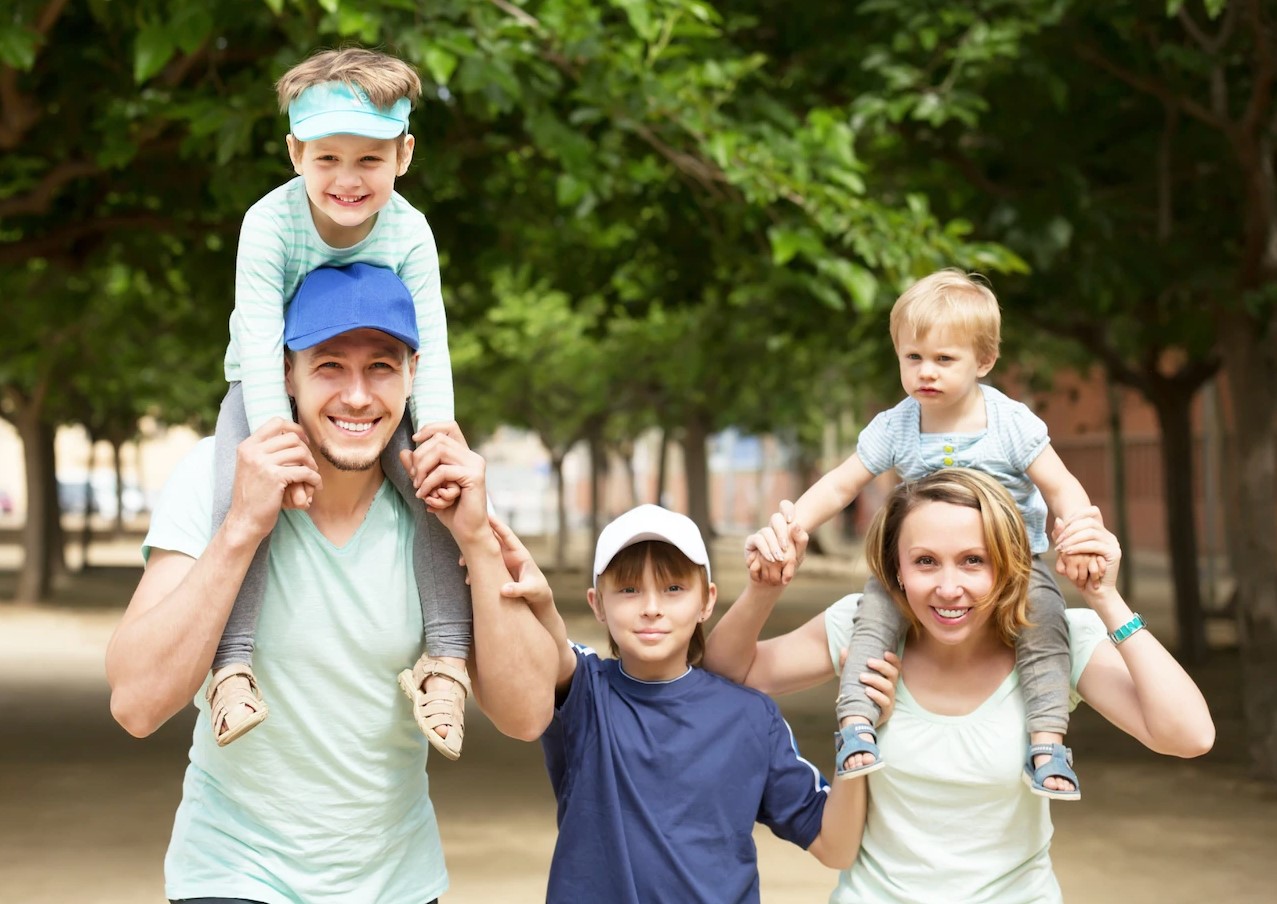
{"x": 1089, "y": 553}
{"x": 880, "y": 684}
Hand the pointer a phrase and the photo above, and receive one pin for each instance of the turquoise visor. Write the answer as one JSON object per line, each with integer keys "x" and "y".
{"x": 337, "y": 108}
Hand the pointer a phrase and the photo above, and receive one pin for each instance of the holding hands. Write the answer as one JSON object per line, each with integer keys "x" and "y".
{"x": 450, "y": 478}
{"x": 774, "y": 553}
{"x": 1089, "y": 554}
{"x": 274, "y": 469}
{"x": 417, "y": 463}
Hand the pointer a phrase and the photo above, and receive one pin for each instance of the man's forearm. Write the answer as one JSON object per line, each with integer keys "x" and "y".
{"x": 515, "y": 657}
{"x": 161, "y": 653}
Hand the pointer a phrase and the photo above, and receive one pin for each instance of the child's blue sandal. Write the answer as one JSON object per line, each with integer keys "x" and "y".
{"x": 1060, "y": 765}
{"x": 848, "y": 742}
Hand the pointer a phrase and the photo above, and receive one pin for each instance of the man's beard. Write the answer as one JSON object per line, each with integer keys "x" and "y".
{"x": 347, "y": 464}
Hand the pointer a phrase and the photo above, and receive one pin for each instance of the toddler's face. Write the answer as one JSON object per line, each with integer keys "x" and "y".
{"x": 349, "y": 178}
{"x": 939, "y": 368}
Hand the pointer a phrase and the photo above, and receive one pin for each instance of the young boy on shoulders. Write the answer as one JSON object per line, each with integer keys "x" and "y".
{"x": 660, "y": 768}
{"x": 348, "y": 141}
{"x": 946, "y": 329}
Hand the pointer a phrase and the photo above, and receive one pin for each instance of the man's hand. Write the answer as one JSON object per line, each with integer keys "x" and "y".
{"x": 444, "y": 458}
{"x": 274, "y": 459}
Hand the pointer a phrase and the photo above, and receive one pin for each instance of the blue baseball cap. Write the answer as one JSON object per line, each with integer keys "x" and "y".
{"x": 339, "y": 108}
{"x": 335, "y": 300}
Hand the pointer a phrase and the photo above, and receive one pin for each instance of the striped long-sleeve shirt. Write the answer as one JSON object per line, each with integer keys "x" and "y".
{"x": 278, "y": 246}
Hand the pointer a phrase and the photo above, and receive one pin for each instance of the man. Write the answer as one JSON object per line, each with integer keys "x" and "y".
{"x": 328, "y": 799}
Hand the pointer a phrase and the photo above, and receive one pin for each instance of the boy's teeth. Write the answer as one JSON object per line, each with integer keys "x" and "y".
{"x": 356, "y": 428}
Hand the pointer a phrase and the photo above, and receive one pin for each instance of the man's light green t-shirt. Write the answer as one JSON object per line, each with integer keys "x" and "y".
{"x": 950, "y": 819}
{"x": 328, "y": 799}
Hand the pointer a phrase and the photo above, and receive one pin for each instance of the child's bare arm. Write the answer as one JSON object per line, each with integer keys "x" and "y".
{"x": 1066, "y": 498}
{"x": 1063, "y": 492}
{"x": 529, "y": 584}
{"x": 822, "y": 500}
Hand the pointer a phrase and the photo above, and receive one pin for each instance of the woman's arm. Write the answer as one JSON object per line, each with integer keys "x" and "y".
{"x": 781, "y": 665}
{"x": 843, "y": 824}
{"x": 1137, "y": 685}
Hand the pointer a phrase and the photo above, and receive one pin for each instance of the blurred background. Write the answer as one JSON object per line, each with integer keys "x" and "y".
{"x": 670, "y": 232}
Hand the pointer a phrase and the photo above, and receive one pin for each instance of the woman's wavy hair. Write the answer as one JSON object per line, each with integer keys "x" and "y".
{"x": 1006, "y": 542}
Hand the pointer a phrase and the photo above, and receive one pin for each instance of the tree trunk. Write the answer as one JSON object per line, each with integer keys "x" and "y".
{"x": 118, "y": 465}
{"x": 1250, "y": 365}
{"x": 696, "y": 463}
{"x": 631, "y": 474}
{"x": 598, "y": 473}
{"x": 1172, "y": 402}
{"x": 1117, "y": 488}
{"x": 662, "y": 456}
{"x": 561, "y": 514}
{"x": 1251, "y": 361}
{"x": 41, "y": 534}
{"x": 86, "y": 529}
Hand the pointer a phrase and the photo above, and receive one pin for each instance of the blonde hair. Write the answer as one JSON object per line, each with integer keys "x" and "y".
{"x": 949, "y": 299}
{"x": 668, "y": 566}
{"x": 384, "y": 78}
{"x": 1006, "y": 542}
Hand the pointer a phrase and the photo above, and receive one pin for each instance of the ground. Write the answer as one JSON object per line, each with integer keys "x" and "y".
{"x": 85, "y": 810}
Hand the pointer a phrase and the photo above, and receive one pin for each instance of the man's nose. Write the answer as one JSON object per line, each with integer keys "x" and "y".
{"x": 357, "y": 392}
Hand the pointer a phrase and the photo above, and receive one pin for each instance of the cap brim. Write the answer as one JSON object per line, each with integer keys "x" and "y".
{"x": 310, "y": 340}
{"x": 348, "y": 122}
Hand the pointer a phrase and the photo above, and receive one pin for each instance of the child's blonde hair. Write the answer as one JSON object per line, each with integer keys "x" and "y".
{"x": 669, "y": 565}
{"x": 949, "y": 300}
{"x": 1006, "y": 542}
{"x": 385, "y": 79}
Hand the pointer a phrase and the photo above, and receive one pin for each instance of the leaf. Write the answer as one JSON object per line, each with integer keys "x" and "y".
{"x": 640, "y": 16}
{"x": 789, "y": 243}
{"x": 154, "y": 47}
{"x": 440, "y": 64}
{"x": 18, "y": 46}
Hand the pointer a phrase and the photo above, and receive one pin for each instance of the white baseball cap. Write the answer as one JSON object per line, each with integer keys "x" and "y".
{"x": 650, "y": 522}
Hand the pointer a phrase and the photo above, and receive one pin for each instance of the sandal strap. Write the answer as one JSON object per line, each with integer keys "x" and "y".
{"x": 230, "y": 671}
{"x": 427, "y": 665}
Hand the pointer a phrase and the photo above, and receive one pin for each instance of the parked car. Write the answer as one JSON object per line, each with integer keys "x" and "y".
{"x": 76, "y": 490}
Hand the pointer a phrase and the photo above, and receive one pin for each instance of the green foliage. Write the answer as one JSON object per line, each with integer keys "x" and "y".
{"x": 644, "y": 172}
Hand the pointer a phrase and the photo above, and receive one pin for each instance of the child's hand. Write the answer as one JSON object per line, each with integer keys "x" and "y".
{"x": 774, "y": 553}
{"x": 529, "y": 582}
{"x": 1087, "y": 550}
{"x": 439, "y": 498}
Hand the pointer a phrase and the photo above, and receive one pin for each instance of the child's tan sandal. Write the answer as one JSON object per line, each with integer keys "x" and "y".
{"x": 437, "y": 709}
{"x": 234, "y": 685}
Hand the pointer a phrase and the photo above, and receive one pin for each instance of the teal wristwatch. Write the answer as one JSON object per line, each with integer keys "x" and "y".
{"x": 1135, "y": 624}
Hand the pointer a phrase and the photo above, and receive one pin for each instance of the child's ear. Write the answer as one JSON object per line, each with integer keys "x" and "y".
{"x": 295, "y": 149}
{"x": 986, "y": 366}
{"x": 405, "y": 153}
{"x": 710, "y": 599}
{"x": 596, "y": 605}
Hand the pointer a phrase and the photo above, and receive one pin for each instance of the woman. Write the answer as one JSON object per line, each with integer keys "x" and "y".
{"x": 949, "y": 818}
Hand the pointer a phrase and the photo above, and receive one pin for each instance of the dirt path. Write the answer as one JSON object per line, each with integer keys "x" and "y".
{"x": 85, "y": 811}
